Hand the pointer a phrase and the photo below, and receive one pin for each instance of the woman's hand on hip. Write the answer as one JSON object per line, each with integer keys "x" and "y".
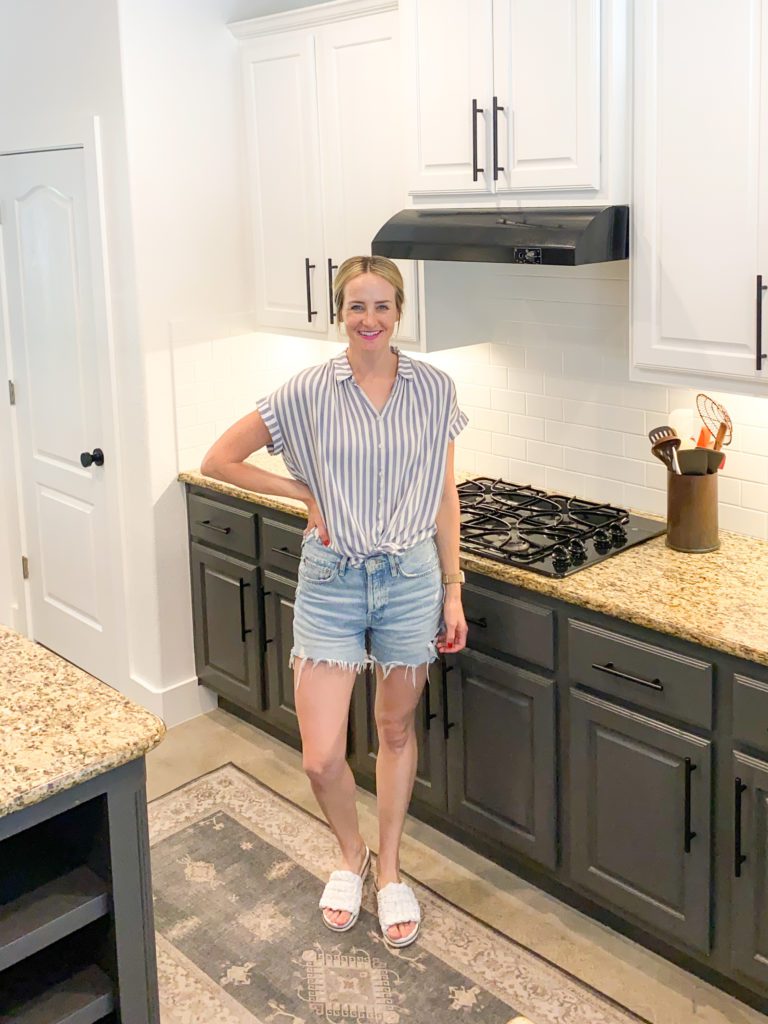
{"x": 455, "y": 636}
{"x": 315, "y": 519}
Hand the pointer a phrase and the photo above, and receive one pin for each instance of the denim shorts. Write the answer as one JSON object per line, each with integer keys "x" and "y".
{"x": 395, "y": 601}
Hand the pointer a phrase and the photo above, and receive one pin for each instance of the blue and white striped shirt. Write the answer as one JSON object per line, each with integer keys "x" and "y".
{"x": 378, "y": 477}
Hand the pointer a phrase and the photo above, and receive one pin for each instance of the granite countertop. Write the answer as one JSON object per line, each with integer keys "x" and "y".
{"x": 59, "y": 726}
{"x": 719, "y": 600}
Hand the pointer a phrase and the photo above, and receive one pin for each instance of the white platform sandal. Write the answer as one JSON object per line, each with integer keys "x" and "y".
{"x": 344, "y": 891}
{"x": 397, "y": 905}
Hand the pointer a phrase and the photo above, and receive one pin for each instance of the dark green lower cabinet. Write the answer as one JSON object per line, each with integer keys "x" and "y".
{"x": 640, "y": 808}
{"x": 749, "y": 905}
{"x": 280, "y": 706}
{"x": 430, "y": 784}
{"x": 501, "y": 754}
{"x": 225, "y": 600}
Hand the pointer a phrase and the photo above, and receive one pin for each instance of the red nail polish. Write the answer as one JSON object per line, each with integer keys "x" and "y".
{"x": 326, "y": 543}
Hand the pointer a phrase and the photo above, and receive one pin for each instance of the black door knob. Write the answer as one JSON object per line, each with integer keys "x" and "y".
{"x": 97, "y": 456}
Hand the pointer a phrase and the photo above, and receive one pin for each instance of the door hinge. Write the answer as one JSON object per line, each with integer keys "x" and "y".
{"x": 25, "y": 567}
{"x": 12, "y": 392}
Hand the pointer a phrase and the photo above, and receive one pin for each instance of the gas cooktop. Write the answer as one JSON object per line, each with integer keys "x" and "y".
{"x": 551, "y": 534}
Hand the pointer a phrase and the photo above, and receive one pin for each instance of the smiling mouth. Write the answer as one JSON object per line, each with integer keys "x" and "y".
{"x": 369, "y": 334}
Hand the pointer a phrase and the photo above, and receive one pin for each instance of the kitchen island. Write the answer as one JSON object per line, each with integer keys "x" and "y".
{"x": 76, "y": 931}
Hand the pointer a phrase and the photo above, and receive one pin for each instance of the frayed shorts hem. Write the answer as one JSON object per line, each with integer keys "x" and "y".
{"x": 369, "y": 659}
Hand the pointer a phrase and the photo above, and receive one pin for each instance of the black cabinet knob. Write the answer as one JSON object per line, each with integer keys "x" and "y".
{"x": 96, "y": 457}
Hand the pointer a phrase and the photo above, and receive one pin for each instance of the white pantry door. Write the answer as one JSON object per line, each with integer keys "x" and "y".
{"x": 55, "y": 312}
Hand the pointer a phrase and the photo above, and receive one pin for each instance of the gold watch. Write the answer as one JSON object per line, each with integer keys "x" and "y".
{"x": 453, "y": 577}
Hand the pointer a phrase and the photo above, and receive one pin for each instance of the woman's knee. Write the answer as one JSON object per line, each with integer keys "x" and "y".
{"x": 395, "y": 729}
{"x": 323, "y": 767}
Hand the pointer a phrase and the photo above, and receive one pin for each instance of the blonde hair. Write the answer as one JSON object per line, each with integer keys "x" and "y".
{"x": 357, "y": 265}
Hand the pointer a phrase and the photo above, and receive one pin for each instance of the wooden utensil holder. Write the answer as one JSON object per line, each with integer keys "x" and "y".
{"x": 692, "y": 513}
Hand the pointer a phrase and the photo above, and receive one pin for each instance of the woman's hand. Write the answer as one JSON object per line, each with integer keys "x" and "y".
{"x": 315, "y": 519}
{"x": 455, "y": 636}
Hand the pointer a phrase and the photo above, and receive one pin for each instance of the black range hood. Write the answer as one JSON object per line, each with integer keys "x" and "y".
{"x": 554, "y": 236}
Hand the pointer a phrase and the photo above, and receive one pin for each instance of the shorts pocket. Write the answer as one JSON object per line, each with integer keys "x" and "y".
{"x": 315, "y": 571}
{"x": 419, "y": 561}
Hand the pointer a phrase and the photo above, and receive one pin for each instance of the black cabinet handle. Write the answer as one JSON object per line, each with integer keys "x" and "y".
{"x": 475, "y": 169}
{"x": 331, "y": 267}
{"x": 496, "y": 167}
{"x": 760, "y": 355}
{"x": 738, "y": 856}
{"x": 307, "y": 267}
{"x": 95, "y": 458}
{"x": 652, "y": 684}
{"x": 445, "y": 669}
{"x": 428, "y": 713}
{"x": 210, "y": 526}
{"x": 243, "y": 631}
{"x": 482, "y": 623}
{"x": 689, "y": 770}
{"x": 284, "y": 551}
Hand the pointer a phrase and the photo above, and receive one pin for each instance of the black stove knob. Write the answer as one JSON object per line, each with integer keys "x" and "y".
{"x": 560, "y": 558}
{"x": 578, "y": 551}
{"x": 602, "y": 541}
{"x": 618, "y": 534}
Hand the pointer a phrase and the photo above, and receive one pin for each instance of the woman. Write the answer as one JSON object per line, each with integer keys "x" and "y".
{"x": 368, "y": 437}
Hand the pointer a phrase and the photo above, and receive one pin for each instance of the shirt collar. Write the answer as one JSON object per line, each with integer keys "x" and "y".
{"x": 343, "y": 371}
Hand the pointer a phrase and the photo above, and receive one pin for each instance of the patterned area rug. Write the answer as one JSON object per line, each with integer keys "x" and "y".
{"x": 237, "y": 873}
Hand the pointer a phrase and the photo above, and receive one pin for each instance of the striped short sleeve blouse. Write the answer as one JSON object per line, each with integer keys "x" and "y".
{"x": 377, "y": 477}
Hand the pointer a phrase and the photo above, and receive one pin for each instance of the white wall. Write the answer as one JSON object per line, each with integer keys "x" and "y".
{"x": 542, "y": 369}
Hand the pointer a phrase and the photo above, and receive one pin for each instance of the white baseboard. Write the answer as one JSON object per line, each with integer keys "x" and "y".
{"x": 177, "y": 704}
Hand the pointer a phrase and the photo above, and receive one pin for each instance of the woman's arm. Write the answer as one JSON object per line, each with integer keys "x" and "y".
{"x": 447, "y": 540}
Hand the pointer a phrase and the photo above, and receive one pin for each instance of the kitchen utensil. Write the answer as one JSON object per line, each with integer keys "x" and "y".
{"x": 714, "y": 459}
{"x": 705, "y": 438}
{"x": 715, "y": 416}
{"x": 721, "y": 431}
{"x": 666, "y": 450}
{"x": 682, "y": 422}
{"x": 692, "y": 461}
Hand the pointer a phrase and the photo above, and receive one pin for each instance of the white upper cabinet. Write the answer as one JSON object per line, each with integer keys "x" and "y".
{"x": 700, "y": 232}
{"x": 283, "y": 162}
{"x": 326, "y": 159}
{"x": 514, "y": 96}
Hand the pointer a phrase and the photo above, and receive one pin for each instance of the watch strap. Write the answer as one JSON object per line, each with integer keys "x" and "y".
{"x": 453, "y": 577}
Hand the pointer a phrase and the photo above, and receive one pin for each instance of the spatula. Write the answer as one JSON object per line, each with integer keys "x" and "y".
{"x": 692, "y": 461}
{"x": 664, "y": 445}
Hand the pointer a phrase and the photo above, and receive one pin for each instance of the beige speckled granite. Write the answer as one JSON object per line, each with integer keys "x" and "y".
{"x": 59, "y": 726}
{"x": 719, "y": 600}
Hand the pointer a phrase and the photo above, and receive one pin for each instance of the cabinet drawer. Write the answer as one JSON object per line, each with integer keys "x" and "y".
{"x": 281, "y": 544}
{"x": 651, "y": 677}
{"x": 513, "y": 627}
{"x": 223, "y": 526}
{"x": 750, "y": 712}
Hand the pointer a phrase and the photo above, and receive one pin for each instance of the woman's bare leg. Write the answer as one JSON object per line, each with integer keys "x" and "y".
{"x": 322, "y": 705}
{"x": 396, "y": 701}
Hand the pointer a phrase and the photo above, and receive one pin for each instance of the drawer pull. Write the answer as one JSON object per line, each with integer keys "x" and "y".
{"x": 482, "y": 623}
{"x": 284, "y": 551}
{"x": 243, "y": 631}
{"x": 689, "y": 770}
{"x": 738, "y": 856}
{"x": 428, "y": 713}
{"x": 608, "y": 668}
{"x": 210, "y": 526}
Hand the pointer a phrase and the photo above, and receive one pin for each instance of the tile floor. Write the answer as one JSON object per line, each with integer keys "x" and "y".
{"x": 640, "y": 980}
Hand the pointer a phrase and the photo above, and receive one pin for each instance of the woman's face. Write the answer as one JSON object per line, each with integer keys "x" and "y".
{"x": 369, "y": 312}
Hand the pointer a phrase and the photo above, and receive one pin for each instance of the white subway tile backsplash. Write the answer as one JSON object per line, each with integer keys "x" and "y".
{"x": 753, "y": 468}
{"x": 544, "y": 407}
{"x": 473, "y": 394}
{"x": 493, "y": 465}
{"x": 730, "y": 491}
{"x": 527, "y": 474}
{"x": 508, "y": 446}
{"x": 530, "y": 382}
{"x": 743, "y": 520}
{"x": 564, "y": 481}
{"x": 476, "y": 440}
{"x": 543, "y": 361}
{"x": 590, "y": 438}
{"x": 646, "y": 499}
{"x": 645, "y": 396}
{"x": 508, "y": 401}
{"x": 526, "y": 426}
{"x": 545, "y": 454}
{"x": 507, "y": 355}
{"x": 608, "y": 467}
{"x": 753, "y": 496}
{"x": 753, "y": 440}
{"x": 487, "y": 419}
{"x": 612, "y": 417}
{"x": 598, "y": 489}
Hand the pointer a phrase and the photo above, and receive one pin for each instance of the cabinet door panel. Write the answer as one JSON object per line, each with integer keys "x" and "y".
{"x": 696, "y": 140}
{"x": 450, "y": 63}
{"x": 227, "y": 632}
{"x": 547, "y": 78}
{"x": 361, "y": 134}
{"x": 749, "y": 916}
{"x": 279, "y": 598}
{"x": 284, "y": 156}
{"x": 501, "y": 754}
{"x": 628, "y": 817}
